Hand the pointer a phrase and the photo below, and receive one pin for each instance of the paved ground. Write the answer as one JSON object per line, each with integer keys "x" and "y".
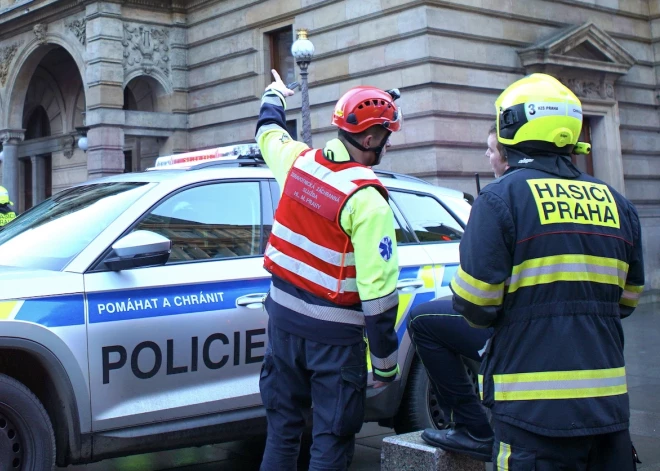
{"x": 642, "y": 332}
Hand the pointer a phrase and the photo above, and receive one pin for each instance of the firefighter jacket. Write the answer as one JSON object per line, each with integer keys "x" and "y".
{"x": 332, "y": 251}
{"x": 552, "y": 258}
{"x": 6, "y": 214}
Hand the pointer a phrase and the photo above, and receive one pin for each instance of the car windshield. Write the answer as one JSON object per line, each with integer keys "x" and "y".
{"x": 52, "y": 233}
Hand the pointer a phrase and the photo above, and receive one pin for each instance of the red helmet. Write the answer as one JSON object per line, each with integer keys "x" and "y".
{"x": 362, "y": 107}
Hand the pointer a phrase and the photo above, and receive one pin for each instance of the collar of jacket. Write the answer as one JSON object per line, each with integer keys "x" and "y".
{"x": 556, "y": 164}
{"x": 336, "y": 152}
{"x": 5, "y": 208}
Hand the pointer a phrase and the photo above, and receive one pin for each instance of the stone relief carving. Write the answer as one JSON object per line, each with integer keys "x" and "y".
{"x": 590, "y": 89}
{"x": 7, "y": 53}
{"x": 67, "y": 146}
{"x": 40, "y": 31}
{"x": 78, "y": 28}
{"x": 146, "y": 47}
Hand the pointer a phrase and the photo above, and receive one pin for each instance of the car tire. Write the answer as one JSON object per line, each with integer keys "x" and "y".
{"x": 27, "y": 441}
{"x": 419, "y": 408}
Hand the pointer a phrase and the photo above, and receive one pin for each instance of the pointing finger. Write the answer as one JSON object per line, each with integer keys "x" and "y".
{"x": 276, "y": 75}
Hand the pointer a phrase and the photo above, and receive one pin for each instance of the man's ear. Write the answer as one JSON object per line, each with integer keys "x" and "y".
{"x": 367, "y": 141}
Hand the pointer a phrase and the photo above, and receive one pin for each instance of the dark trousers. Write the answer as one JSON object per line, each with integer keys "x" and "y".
{"x": 516, "y": 449}
{"x": 297, "y": 372}
{"x": 441, "y": 336}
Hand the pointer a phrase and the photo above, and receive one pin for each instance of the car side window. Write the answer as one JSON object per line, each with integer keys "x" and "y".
{"x": 430, "y": 221}
{"x": 216, "y": 221}
{"x": 403, "y": 235}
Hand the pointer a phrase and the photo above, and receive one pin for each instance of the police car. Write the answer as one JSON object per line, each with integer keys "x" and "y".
{"x": 132, "y": 316}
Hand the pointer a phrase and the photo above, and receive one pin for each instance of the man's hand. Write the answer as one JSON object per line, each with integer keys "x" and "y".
{"x": 279, "y": 85}
{"x": 378, "y": 384}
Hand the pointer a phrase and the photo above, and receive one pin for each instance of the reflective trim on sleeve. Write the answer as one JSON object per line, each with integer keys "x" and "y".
{"x": 573, "y": 267}
{"x": 310, "y": 273}
{"x": 631, "y": 294}
{"x": 324, "y": 313}
{"x": 384, "y": 363}
{"x": 475, "y": 291}
{"x": 481, "y": 386}
{"x": 380, "y": 305}
{"x": 268, "y": 127}
{"x": 327, "y": 255}
{"x": 578, "y": 384}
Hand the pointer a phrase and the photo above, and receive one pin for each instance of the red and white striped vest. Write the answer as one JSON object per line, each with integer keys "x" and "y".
{"x": 308, "y": 247}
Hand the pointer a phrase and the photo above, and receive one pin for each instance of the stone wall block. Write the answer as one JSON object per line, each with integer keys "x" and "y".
{"x": 105, "y": 95}
{"x": 359, "y": 8}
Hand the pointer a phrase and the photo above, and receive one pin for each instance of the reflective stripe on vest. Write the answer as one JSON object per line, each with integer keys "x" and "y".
{"x": 308, "y": 247}
{"x": 342, "y": 179}
{"x": 324, "y": 313}
{"x": 577, "y": 384}
{"x": 310, "y": 273}
{"x": 574, "y": 267}
{"x": 327, "y": 255}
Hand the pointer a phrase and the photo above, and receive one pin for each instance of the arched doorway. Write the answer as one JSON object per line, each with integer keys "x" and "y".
{"x": 51, "y": 92}
{"x": 36, "y": 170}
{"x": 143, "y": 94}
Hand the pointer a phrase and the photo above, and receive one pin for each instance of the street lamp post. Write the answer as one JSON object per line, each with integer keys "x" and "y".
{"x": 303, "y": 51}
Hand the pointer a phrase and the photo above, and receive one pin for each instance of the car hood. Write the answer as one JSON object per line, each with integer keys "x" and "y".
{"x": 21, "y": 283}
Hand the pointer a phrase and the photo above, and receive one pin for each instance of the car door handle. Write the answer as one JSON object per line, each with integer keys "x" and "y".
{"x": 410, "y": 284}
{"x": 252, "y": 301}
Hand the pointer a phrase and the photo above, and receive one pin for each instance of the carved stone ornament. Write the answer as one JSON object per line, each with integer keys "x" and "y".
{"x": 585, "y": 88}
{"x": 7, "y": 53}
{"x": 78, "y": 28}
{"x": 146, "y": 47}
{"x": 40, "y": 31}
{"x": 67, "y": 146}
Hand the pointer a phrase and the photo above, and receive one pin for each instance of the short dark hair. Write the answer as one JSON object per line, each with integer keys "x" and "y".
{"x": 500, "y": 147}
{"x": 376, "y": 130}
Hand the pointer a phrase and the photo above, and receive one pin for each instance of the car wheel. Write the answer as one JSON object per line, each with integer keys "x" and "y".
{"x": 27, "y": 441}
{"x": 419, "y": 407}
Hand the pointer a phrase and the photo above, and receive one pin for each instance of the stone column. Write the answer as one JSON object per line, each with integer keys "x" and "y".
{"x": 105, "y": 97}
{"x": 10, "y": 140}
{"x": 38, "y": 179}
{"x": 105, "y": 155}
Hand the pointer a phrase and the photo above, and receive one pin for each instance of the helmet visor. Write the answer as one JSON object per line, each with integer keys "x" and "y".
{"x": 397, "y": 121}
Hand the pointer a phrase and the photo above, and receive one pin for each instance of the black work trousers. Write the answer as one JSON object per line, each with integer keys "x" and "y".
{"x": 441, "y": 336}
{"x": 297, "y": 372}
{"x": 516, "y": 449}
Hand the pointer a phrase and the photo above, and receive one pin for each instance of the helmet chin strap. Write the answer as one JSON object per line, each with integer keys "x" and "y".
{"x": 377, "y": 150}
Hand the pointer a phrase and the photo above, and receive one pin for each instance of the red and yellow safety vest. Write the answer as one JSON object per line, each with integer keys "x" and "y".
{"x": 308, "y": 247}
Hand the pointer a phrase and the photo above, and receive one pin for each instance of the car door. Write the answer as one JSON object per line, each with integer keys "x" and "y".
{"x": 436, "y": 230}
{"x": 416, "y": 282}
{"x": 186, "y": 338}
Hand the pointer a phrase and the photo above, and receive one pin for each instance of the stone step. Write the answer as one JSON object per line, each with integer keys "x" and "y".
{"x": 408, "y": 452}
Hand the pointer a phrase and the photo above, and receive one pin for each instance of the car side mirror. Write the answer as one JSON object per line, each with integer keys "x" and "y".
{"x": 139, "y": 249}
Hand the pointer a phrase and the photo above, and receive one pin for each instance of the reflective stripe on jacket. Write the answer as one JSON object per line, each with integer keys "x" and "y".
{"x": 308, "y": 247}
{"x": 553, "y": 263}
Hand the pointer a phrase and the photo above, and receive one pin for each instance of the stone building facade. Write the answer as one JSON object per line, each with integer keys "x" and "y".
{"x": 144, "y": 78}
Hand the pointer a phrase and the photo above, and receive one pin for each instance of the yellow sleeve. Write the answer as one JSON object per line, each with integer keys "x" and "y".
{"x": 278, "y": 150}
{"x": 367, "y": 218}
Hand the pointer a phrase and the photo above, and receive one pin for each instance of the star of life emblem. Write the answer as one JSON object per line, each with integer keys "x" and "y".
{"x": 385, "y": 248}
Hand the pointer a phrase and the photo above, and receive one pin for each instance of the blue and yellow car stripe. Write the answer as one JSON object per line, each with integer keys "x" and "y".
{"x": 429, "y": 274}
{"x": 50, "y": 311}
